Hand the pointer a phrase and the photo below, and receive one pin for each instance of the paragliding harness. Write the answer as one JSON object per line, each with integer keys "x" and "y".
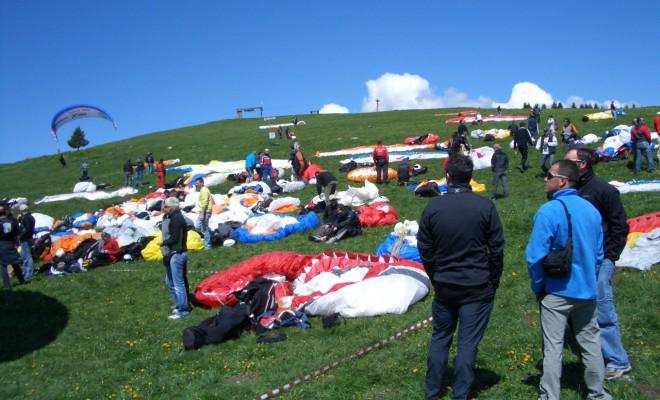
{"x": 340, "y": 223}
{"x": 241, "y": 311}
{"x": 380, "y": 155}
{"x": 427, "y": 189}
{"x": 348, "y": 167}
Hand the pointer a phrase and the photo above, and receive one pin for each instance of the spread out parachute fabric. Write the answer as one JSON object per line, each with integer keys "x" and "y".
{"x": 369, "y": 174}
{"x": 377, "y": 214}
{"x": 152, "y": 251}
{"x": 270, "y": 227}
{"x": 642, "y": 250}
{"x": 636, "y": 186}
{"x": 402, "y": 242}
{"x": 98, "y": 195}
{"x": 489, "y": 118}
{"x": 77, "y": 112}
{"x": 423, "y": 139}
{"x": 352, "y": 284}
{"x": 370, "y": 149}
{"x": 397, "y": 156}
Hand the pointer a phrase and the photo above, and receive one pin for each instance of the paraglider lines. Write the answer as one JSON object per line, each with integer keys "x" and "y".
{"x": 362, "y": 352}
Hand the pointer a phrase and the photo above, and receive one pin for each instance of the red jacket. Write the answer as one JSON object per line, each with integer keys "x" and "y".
{"x": 656, "y": 123}
{"x": 380, "y": 153}
{"x": 111, "y": 247}
{"x": 637, "y": 134}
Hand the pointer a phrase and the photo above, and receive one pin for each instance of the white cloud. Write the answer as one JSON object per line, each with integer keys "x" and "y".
{"x": 332, "y": 108}
{"x": 408, "y": 92}
{"x": 526, "y": 92}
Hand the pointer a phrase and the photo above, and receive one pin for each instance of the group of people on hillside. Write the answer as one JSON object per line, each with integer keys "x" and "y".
{"x": 547, "y": 144}
{"x": 461, "y": 243}
{"x": 134, "y": 171}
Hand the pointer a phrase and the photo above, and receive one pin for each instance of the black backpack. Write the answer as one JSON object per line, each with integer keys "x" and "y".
{"x": 559, "y": 263}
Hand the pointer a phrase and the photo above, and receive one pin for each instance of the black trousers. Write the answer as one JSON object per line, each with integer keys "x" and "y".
{"x": 381, "y": 172}
{"x": 471, "y": 319}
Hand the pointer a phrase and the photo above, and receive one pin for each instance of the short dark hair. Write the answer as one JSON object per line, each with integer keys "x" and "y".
{"x": 459, "y": 168}
{"x": 570, "y": 170}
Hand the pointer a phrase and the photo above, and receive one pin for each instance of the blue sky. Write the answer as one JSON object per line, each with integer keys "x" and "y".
{"x": 156, "y": 65}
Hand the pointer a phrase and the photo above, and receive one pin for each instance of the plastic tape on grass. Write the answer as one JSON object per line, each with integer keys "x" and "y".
{"x": 362, "y": 352}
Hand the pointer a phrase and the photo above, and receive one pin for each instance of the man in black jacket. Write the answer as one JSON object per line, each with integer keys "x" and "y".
{"x": 521, "y": 141}
{"x": 175, "y": 256}
{"x": 9, "y": 232}
{"x": 326, "y": 183}
{"x": 499, "y": 164}
{"x": 26, "y": 220}
{"x": 606, "y": 199}
{"x": 461, "y": 244}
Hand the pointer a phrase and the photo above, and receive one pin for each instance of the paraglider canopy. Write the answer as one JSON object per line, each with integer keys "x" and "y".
{"x": 77, "y": 112}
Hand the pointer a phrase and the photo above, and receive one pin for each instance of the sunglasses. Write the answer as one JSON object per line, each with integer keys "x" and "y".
{"x": 549, "y": 175}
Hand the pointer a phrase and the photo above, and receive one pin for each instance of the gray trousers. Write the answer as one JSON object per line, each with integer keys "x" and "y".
{"x": 555, "y": 313}
{"x": 497, "y": 177}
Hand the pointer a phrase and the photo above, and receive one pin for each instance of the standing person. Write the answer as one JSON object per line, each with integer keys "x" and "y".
{"x": 139, "y": 172}
{"x": 462, "y": 128}
{"x": 298, "y": 161}
{"x": 279, "y": 132}
{"x": 569, "y": 300}
{"x": 205, "y": 208}
{"x": 536, "y": 112}
{"x": 326, "y": 183}
{"x": 569, "y": 132}
{"x": 521, "y": 141}
{"x": 26, "y": 221}
{"x": 251, "y": 164}
{"x": 641, "y": 139}
{"x": 128, "y": 173}
{"x": 513, "y": 128}
{"x": 160, "y": 173}
{"x": 606, "y": 199}
{"x": 499, "y": 110}
{"x": 532, "y": 122}
{"x": 62, "y": 160}
{"x": 381, "y": 159}
{"x": 613, "y": 110}
{"x": 175, "y": 257}
{"x": 149, "y": 159}
{"x": 84, "y": 168}
{"x": 656, "y": 122}
{"x": 9, "y": 231}
{"x": 499, "y": 164}
{"x": 265, "y": 166}
{"x": 552, "y": 124}
{"x": 461, "y": 244}
{"x": 547, "y": 145}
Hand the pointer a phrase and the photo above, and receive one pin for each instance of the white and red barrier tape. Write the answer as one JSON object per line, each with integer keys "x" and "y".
{"x": 364, "y": 351}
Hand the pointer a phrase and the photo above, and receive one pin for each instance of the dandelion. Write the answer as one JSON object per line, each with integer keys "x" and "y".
{"x": 414, "y": 371}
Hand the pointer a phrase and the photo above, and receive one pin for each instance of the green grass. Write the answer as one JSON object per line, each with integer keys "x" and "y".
{"x": 105, "y": 334}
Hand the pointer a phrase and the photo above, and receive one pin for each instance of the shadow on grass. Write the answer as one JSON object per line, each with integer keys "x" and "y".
{"x": 28, "y": 322}
{"x": 572, "y": 374}
{"x": 484, "y": 379}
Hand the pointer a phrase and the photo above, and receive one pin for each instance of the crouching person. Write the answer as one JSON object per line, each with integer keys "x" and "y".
{"x": 175, "y": 257}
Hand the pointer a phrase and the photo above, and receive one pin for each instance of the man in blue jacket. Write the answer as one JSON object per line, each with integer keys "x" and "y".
{"x": 571, "y": 299}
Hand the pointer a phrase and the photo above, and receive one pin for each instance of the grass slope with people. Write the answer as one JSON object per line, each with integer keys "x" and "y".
{"x": 105, "y": 334}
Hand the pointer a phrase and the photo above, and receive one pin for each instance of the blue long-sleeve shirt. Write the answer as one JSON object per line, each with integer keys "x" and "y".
{"x": 550, "y": 232}
{"x": 250, "y": 161}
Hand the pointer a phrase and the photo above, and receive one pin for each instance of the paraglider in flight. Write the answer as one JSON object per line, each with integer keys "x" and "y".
{"x": 77, "y": 112}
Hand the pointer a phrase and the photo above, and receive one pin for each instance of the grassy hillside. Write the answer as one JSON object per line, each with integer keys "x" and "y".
{"x": 105, "y": 334}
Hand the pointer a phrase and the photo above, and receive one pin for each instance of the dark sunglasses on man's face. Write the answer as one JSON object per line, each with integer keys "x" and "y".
{"x": 549, "y": 175}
